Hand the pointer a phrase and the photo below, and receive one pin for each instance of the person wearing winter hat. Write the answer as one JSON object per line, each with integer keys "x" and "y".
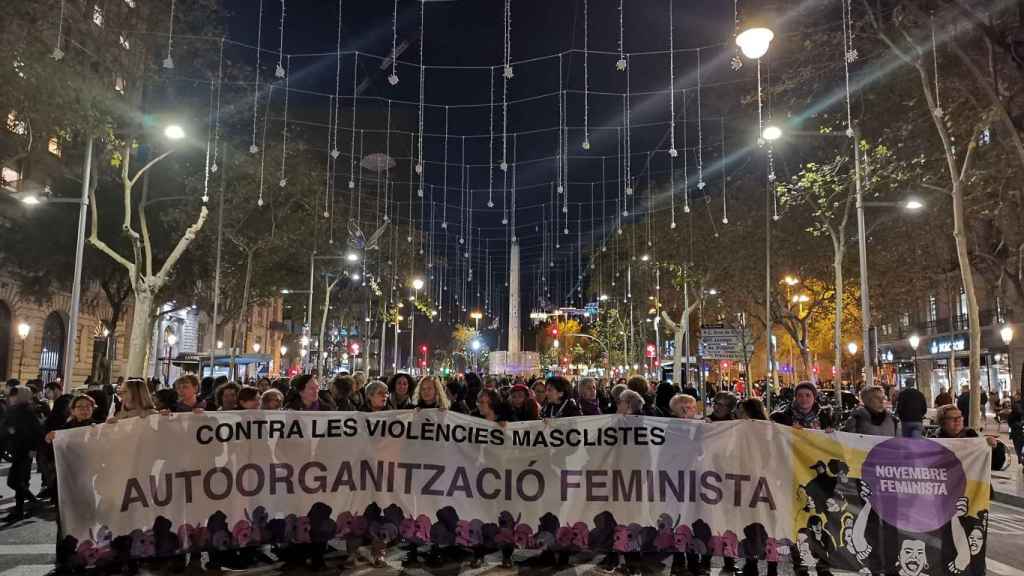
{"x": 804, "y": 411}
{"x": 522, "y": 406}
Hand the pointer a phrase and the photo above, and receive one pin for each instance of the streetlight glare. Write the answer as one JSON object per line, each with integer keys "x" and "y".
{"x": 476, "y": 345}
{"x": 1006, "y": 333}
{"x": 30, "y": 199}
{"x": 352, "y": 257}
{"x": 913, "y": 205}
{"x": 771, "y": 133}
{"x": 754, "y": 42}
{"x": 174, "y": 132}
{"x": 256, "y": 347}
{"x": 476, "y": 315}
{"x": 852, "y": 347}
{"x": 23, "y": 330}
{"x": 417, "y": 284}
{"x": 283, "y": 350}
{"x": 791, "y": 280}
{"x": 914, "y": 341}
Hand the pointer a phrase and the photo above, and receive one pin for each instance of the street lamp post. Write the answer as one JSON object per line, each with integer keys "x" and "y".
{"x": 171, "y": 341}
{"x": 23, "y": 331}
{"x": 852, "y": 347}
{"x": 280, "y": 363}
{"x": 76, "y": 283}
{"x": 1006, "y": 334}
{"x": 417, "y": 285}
{"x": 914, "y": 340}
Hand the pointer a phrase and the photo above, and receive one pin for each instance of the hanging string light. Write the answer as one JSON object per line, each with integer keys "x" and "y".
{"x": 386, "y": 163}
{"x": 209, "y": 142}
{"x": 337, "y": 89}
{"x": 559, "y": 159}
{"x": 169, "y": 60}
{"x": 515, "y": 166}
{"x": 327, "y": 180}
{"x": 352, "y": 144}
{"x": 672, "y": 82}
{"x": 284, "y": 130}
{"x": 279, "y": 71}
{"x": 508, "y": 40}
{"x": 412, "y": 220}
{"x": 504, "y": 123}
{"x": 58, "y": 53}
{"x": 462, "y": 192}
{"x": 419, "y": 155}
{"x": 619, "y": 148}
{"x": 263, "y": 154}
{"x": 686, "y": 162}
{"x": 629, "y": 143}
{"x": 672, "y": 188}
{"x": 725, "y": 211}
{"x": 216, "y": 132}
{"x": 444, "y": 205}
{"x": 253, "y": 148}
{"x": 700, "y": 126}
{"x": 490, "y": 145}
{"x": 621, "y": 63}
{"x": 850, "y": 56}
{"x": 393, "y": 78}
{"x": 586, "y": 78}
{"x": 736, "y": 63}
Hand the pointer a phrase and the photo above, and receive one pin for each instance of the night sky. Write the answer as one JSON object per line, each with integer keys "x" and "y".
{"x": 469, "y": 33}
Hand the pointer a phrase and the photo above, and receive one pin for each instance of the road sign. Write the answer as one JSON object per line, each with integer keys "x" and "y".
{"x": 718, "y": 342}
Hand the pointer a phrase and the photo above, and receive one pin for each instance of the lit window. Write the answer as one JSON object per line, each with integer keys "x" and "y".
{"x": 905, "y": 320}
{"x": 963, "y": 303}
{"x": 9, "y": 176}
{"x": 130, "y": 3}
{"x": 15, "y": 125}
{"x": 119, "y": 85}
{"x": 933, "y": 308}
{"x": 53, "y": 146}
{"x": 97, "y": 15}
{"x": 125, "y": 43}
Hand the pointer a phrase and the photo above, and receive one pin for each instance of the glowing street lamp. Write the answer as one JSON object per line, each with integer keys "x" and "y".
{"x": 852, "y": 348}
{"x": 771, "y": 133}
{"x": 283, "y": 350}
{"x": 174, "y": 132}
{"x": 256, "y": 347}
{"x": 1006, "y": 333}
{"x": 754, "y": 42}
{"x": 914, "y": 340}
{"x": 23, "y": 331}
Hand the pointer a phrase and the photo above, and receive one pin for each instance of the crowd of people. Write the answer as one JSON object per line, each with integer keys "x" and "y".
{"x": 32, "y": 414}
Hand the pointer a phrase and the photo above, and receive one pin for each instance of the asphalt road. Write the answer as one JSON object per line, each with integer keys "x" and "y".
{"x": 27, "y": 548}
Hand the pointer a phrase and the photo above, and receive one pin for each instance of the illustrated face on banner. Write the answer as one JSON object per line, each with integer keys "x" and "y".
{"x": 976, "y": 540}
{"x": 912, "y": 559}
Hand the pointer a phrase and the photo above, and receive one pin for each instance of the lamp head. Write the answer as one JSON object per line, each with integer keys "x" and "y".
{"x": 417, "y": 284}
{"x": 23, "y": 330}
{"x": 174, "y": 132}
{"x": 852, "y": 347}
{"x": 1006, "y": 333}
{"x": 914, "y": 341}
{"x": 754, "y": 42}
{"x": 771, "y": 133}
{"x": 913, "y": 205}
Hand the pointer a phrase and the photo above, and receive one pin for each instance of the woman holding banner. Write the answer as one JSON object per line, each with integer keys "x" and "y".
{"x": 522, "y": 406}
{"x": 136, "y": 402}
{"x": 430, "y": 394}
{"x": 559, "y": 402}
{"x": 307, "y": 396}
{"x": 401, "y": 386}
{"x": 376, "y": 397}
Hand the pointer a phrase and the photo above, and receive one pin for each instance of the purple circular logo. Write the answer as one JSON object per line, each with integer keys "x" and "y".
{"x": 915, "y": 483}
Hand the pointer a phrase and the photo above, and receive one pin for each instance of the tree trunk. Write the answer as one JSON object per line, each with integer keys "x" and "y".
{"x": 323, "y": 327}
{"x": 973, "y": 320}
{"x": 837, "y": 267}
{"x": 141, "y": 333}
{"x": 677, "y": 354}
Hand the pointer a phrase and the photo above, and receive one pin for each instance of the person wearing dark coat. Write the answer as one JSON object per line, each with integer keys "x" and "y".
{"x": 804, "y": 411}
{"x": 639, "y": 385}
{"x": 26, "y": 432}
{"x": 559, "y": 401}
{"x": 522, "y": 406}
{"x": 663, "y": 397}
{"x": 401, "y": 386}
{"x": 911, "y": 408}
{"x": 307, "y": 396}
{"x": 1015, "y": 420}
{"x": 342, "y": 392}
{"x": 590, "y": 402}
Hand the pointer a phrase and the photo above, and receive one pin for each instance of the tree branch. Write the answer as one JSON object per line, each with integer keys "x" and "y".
{"x": 94, "y": 238}
{"x": 183, "y": 243}
{"x": 144, "y": 228}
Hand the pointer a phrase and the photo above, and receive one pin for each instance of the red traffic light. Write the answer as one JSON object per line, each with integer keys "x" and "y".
{"x": 423, "y": 349}
{"x": 354, "y": 348}
{"x": 554, "y": 332}
{"x": 651, "y": 351}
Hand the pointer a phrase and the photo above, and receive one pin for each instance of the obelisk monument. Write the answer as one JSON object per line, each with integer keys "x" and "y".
{"x": 513, "y": 300}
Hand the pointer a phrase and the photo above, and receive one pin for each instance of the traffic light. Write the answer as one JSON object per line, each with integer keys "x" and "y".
{"x": 554, "y": 331}
{"x": 354, "y": 348}
{"x": 423, "y": 349}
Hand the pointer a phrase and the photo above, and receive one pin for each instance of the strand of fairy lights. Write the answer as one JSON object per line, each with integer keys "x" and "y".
{"x": 352, "y": 144}
{"x": 672, "y": 187}
{"x": 725, "y": 211}
{"x": 393, "y": 78}
{"x": 629, "y": 141}
{"x": 209, "y": 140}
{"x": 284, "y": 130}
{"x": 444, "y": 207}
{"x": 586, "y": 78}
{"x": 504, "y": 123}
{"x": 327, "y": 182}
{"x": 490, "y": 146}
{"x": 335, "y": 153}
{"x": 700, "y": 124}
{"x": 58, "y": 53}
{"x": 559, "y": 159}
{"x": 412, "y": 220}
{"x": 508, "y": 39}
{"x": 169, "y": 60}
{"x": 621, "y": 64}
{"x": 671, "y": 83}
{"x": 263, "y": 151}
{"x": 387, "y": 168}
{"x": 253, "y": 148}
{"x": 422, "y": 81}
{"x": 216, "y": 132}
{"x": 462, "y": 192}
{"x": 279, "y": 71}
{"x": 686, "y": 168}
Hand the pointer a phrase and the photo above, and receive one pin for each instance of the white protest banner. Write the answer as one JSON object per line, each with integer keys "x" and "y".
{"x": 167, "y": 484}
